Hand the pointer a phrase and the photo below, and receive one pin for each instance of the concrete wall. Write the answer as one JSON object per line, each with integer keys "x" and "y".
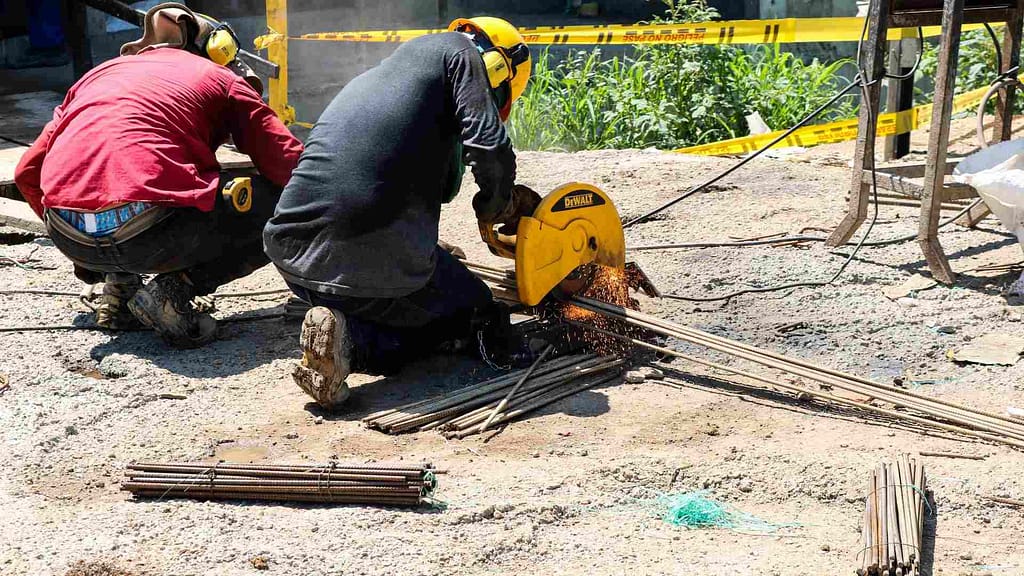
{"x": 807, "y": 8}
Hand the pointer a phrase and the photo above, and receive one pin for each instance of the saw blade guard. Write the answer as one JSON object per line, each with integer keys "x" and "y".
{"x": 574, "y": 225}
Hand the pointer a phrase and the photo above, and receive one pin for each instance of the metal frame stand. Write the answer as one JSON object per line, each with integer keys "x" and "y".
{"x": 952, "y": 14}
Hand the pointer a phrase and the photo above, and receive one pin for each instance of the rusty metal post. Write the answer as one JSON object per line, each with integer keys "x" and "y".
{"x": 874, "y": 49}
{"x": 1011, "y": 59}
{"x": 938, "y": 141}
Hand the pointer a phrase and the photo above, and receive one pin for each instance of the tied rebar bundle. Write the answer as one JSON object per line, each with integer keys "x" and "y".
{"x": 472, "y": 409}
{"x": 893, "y": 519}
{"x": 332, "y": 483}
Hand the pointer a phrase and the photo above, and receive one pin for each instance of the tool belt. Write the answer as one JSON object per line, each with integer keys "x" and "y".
{"x": 115, "y": 225}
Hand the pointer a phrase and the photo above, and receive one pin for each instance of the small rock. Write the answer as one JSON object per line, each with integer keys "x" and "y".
{"x": 966, "y": 556}
{"x": 826, "y": 548}
{"x": 652, "y": 373}
{"x": 488, "y": 512}
{"x": 114, "y": 366}
{"x": 70, "y": 430}
{"x": 259, "y": 563}
{"x": 746, "y": 486}
{"x": 946, "y": 329}
{"x": 291, "y": 435}
{"x": 908, "y": 302}
{"x": 318, "y": 420}
{"x": 635, "y": 377}
{"x": 171, "y": 396}
{"x": 534, "y": 454}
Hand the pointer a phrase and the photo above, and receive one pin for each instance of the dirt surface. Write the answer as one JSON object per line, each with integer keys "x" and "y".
{"x": 571, "y": 489}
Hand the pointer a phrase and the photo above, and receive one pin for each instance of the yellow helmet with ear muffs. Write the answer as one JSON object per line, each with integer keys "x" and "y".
{"x": 505, "y": 54}
{"x": 216, "y": 40}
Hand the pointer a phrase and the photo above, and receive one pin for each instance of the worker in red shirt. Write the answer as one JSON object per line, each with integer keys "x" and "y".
{"x": 126, "y": 178}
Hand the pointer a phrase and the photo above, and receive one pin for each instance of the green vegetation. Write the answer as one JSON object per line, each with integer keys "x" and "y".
{"x": 977, "y": 66}
{"x": 669, "y": 96}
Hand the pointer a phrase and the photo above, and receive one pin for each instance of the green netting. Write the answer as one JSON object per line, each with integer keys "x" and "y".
{"x": 696, "y": 510}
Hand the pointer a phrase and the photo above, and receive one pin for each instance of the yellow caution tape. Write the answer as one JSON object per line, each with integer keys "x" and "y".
{"x": 785, "y": 30}
{"x": 889, "y": 124}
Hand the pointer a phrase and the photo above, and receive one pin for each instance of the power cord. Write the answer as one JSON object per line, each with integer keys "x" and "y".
{"x": 865, "y": 101}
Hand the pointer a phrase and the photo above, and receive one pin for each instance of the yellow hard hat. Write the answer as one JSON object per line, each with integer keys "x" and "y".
{"x": 505, "y": 53}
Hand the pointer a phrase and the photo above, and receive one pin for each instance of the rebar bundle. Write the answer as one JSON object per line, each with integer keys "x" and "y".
{"x": 331, "y": 483}
{"x": 472, "y": 409}
{"x": 903, "y": 405}
{"x": 893, "y": 519}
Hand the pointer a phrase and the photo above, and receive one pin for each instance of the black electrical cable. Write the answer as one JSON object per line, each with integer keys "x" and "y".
{"x": 865, "y": 101}
{"x": 995, "y": 43}
{"x": 856, "y": 82}
{"x": 917, "y": 64}
{"x": 796, "y": 238}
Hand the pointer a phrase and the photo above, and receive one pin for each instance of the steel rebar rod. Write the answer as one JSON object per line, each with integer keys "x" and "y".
{"x": 815, "y": 393}
{"x": 962, "y": 415}
{"x": 531, "y": 389}
{"x": 543, "y": 401}
{"x": 529, "y": 372}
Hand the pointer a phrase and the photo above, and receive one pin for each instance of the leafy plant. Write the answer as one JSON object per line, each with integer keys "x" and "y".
{"x": 667, "y": 96}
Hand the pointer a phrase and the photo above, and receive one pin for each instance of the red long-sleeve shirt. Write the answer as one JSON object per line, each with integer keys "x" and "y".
{"x": 145, "y": 128}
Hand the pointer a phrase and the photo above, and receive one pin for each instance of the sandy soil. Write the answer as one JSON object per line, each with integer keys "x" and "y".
{"x": 569, "y": 490}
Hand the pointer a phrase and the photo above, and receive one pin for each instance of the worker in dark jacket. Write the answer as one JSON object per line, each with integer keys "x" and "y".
{"x": 126, "y": 178}
{"x": 356, "y": 231}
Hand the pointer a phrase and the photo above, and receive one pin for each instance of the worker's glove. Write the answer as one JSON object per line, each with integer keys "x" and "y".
{"x": 522, "y": 202}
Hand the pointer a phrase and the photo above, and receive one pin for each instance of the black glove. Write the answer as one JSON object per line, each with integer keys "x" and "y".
{"x": 522, "y": 202}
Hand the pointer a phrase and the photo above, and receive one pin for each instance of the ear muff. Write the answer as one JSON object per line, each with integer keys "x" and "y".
{"x": 221, "y": 46}
{"x": 496, "y": 64}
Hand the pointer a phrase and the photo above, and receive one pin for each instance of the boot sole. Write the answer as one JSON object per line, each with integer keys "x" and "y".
{"x": 324, "y": 366}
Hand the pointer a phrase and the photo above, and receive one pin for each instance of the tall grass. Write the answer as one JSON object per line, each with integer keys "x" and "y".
{"x": 667, "y": 96}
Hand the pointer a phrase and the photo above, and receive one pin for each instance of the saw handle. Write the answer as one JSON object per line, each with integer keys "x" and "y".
{"x": 497, "y": 242}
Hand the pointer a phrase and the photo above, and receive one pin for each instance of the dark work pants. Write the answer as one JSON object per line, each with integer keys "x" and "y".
{"x": 213, "y": 248}
{"x": 388, "y": 332}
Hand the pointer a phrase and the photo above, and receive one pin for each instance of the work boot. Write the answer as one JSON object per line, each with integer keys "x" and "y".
{"x": 326, "y": 357}
{"x": 165, "y": 305}
{"x": 113, "y": 312}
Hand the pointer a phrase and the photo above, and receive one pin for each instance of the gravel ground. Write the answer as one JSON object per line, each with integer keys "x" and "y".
{"x": 570, "y": 490}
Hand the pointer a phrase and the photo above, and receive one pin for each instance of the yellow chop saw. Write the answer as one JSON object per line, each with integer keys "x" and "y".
{"x": 574, "y": 227}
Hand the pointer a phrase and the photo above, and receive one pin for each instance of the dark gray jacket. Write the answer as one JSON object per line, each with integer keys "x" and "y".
{"x": 360, "y": 215}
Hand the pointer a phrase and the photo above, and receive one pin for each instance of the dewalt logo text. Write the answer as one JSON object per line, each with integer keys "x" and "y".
{"x": 579, "y": 198}
{"x": 579, "y": 201}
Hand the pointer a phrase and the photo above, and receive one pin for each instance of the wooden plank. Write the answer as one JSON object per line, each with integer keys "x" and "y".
{"x": 228, "y": 158}
{"x": 913, "y": 19}
{"x": 916, "y": 169}
{"x": 914, "y": 187}
{"x": 20, "y": 215}
{"x": 231, "y": 159}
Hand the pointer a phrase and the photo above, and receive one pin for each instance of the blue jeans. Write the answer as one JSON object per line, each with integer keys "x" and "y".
{"x": 388, "y": 332}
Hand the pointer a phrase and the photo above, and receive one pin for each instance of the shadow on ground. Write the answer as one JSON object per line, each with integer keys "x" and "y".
{"x": 438, "y": 375}
{"x": 243, "y": 343}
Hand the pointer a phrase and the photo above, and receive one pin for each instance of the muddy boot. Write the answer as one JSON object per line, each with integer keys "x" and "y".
{"x": 326, "y": 357}
{"x": 113, "y": 312}
{"x": 165, "y": 305}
